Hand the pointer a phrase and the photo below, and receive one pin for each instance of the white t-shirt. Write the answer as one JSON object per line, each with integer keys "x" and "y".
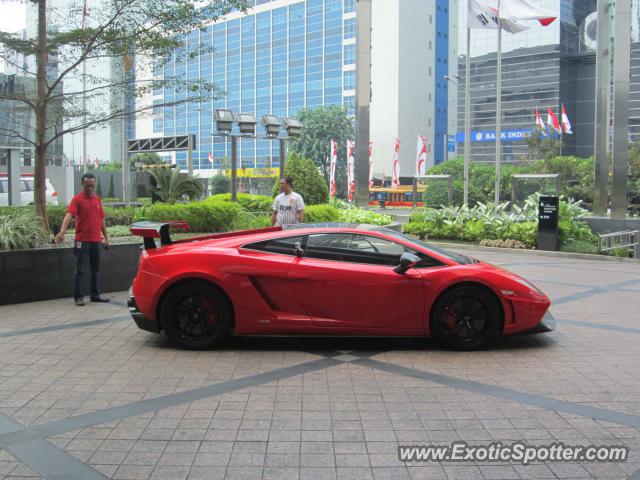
{"x": 287, "y": 208}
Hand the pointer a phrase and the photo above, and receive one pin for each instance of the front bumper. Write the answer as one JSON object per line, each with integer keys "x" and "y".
{"x": 547, "y": 324}
{"x": 143, "y": 322}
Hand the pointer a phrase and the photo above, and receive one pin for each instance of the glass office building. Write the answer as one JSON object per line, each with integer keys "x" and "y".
{"x": 276, "y": 59}
{"x": 542, "y": 68}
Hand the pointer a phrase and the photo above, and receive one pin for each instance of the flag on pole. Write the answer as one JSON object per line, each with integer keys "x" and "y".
{"x": 351, "y": 178}
{"x": 370, "y": 164}
{"x": 482, "y": 15}
{"x": 421, "y": 156}
{"x": 211, "y": 158}
{"x": 395, "y": 179}
{"x": 512, "y": 12}
{"x": 566, "y": 124}
{"x": 539, "y": 122}
{"x": 332, "y": 169}
{"x": 552, "y": 121}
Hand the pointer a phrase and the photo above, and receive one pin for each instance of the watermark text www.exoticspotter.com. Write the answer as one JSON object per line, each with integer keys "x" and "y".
{"x": 517, "y": 452}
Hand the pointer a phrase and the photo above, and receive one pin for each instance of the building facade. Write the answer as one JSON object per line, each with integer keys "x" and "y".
{"x": 542, "y": 68}
{"x": 284, "y": 55}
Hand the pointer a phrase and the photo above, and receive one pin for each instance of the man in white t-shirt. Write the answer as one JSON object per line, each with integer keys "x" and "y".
{"x": 288, "y": 207}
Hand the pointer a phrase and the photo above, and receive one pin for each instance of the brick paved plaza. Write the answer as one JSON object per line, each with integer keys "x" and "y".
{"x": 84, "y": 394}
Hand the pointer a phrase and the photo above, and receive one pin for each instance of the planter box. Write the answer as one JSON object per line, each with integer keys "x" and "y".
{"x": 43, "y": 274}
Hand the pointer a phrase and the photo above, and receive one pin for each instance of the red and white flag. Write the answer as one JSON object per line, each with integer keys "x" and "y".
{"x": 211, "y": 158}
{"x": 552, "y": 121}
{"x": 351, "y": 178}
{"x": 395, "y": 179}
{"x": 332, "y": 169}
{"x": 370, "y": 164}
{"x": 566, "y": 124}
{"x": 421, "y": 156}
{"x": 539, "y": 122}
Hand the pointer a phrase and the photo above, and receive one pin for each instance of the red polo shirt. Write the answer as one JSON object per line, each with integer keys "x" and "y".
{"x": 88, "y": 214}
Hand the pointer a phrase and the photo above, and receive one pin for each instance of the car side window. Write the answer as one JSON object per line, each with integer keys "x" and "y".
{"x": 24, "y": 187}
{"x": 283, "y": 246}
{"x": 358, "y": 248}
{"x": 4, "y": 188}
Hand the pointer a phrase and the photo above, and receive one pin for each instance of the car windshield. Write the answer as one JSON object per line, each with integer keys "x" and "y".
{"x": 440, "y": 251}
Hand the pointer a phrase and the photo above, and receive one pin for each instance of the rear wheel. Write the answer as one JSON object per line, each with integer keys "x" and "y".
{"x": 196, "y": 316}
{"x": 466, "y": 317}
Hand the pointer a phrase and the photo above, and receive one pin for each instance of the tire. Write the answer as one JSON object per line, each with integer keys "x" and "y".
{"x": 196, "y": 316}
{"x": 466, "y": 318}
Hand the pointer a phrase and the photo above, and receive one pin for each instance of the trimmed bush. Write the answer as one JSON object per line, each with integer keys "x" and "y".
{"x": 202, "y": 216}
{"x": 360, "y": 215}
{"x": 321, "y": 214}
{"x": 220, "y": 184}
{"x": 251, "y": 203}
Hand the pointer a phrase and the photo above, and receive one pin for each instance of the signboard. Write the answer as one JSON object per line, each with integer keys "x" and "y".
{"x": 548, "y": 209}
{"x": 451, "y": 143}
{"x": 490, "y": 136}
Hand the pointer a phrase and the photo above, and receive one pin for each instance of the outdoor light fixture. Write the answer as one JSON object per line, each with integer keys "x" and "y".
{"x": 224, "y": 120}
{"x": 272, "y": 125}
{"x": 246, "y": 123}
{"x": 293, "y": 126}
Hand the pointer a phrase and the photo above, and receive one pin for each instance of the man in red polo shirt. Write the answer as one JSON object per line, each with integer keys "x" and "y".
{"x": 88, "y": 244}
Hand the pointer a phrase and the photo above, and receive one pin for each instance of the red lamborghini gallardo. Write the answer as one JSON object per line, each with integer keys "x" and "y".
{"x": 324, "y": 279}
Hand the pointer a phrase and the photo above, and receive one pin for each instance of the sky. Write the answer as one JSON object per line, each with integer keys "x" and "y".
{"x": 11, "y": 16}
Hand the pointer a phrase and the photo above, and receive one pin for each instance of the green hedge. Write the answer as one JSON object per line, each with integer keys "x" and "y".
{"x": 203, "y": 216}
{"x": 251, "y": 203}
{"x": 321, "y": 214}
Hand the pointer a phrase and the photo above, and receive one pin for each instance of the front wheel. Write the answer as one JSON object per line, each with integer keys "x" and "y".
{"x": 196, "y": 316}
{"x": 466, "y": 317}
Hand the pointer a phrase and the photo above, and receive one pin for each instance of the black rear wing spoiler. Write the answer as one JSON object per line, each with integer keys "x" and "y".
{"x": 152, "y": 230}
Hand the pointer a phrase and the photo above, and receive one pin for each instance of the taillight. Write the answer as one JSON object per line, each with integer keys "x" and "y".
{"x": 54, "y": 194}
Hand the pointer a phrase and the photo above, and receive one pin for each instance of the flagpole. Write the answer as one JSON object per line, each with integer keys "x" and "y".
{"x": 467, "y": 118}
{"x": 498, "y": 107}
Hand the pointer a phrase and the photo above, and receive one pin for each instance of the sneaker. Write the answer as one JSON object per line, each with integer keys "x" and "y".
{"x": 100, "y": 299}
{"x": 79, "y": 302}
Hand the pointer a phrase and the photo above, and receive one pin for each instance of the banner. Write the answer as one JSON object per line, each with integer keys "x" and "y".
{"x": 332, "y": 169}
{"x": 421, "y": 156}
{"x": 351, "y": 178}
{"x": 395, "y": 179}
{"x": 566, "y": 124}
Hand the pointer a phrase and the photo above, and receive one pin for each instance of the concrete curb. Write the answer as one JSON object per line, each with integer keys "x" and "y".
{"x": 544, "y": 253}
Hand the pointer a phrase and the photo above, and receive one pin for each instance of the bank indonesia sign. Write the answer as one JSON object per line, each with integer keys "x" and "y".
{"x": 490, "y": 136}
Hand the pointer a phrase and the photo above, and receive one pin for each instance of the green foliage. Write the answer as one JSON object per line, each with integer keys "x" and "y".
{"x": 203, "y": 216}
{"x": 110, "y": 167}
{"x": 250, "y": 203}
{"x": 173, "y": 186}
{"x": 579, "y": 246}
{"x": 119, "y": 231}
{"x": 248, "y": 221}
{"x": 360, "y": 215}
{"x": 119, "y": 215}
{"x": 321, "y": 214}
{"x": 55, "y": 214}
{"x": 576, "y": 179}
{"x": 98, "y": 187}
{"x": 503, "y": 244}
{"x": 19, "y": 228}
{"x": 307, "y": 180}
{"x": 493, "y": 222}
{"x": 220, "y": 184}
{"x": 150, "y": 158}
{"x": 321, "y": 125}
{"x": 543, "y": 145}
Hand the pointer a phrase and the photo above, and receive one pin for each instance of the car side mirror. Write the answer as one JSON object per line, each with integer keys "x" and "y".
{"x": 298, "y": 250}
{"x": 407, "y": 261}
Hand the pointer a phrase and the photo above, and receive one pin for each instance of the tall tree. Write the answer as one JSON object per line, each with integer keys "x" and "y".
{"x": 544, "y": 145}
{"x": 89, "y": 32}
{"x": 321, "y": 125}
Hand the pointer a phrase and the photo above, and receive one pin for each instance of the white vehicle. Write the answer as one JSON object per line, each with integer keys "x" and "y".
{"x": 26, "y": 191}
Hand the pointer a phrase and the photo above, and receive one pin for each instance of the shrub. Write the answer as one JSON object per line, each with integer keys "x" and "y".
{"x": 220, "y": 184}
{"x": 508, "y": 243}
{"x": 20, "y": 228}
{"x": 321, "y": 214}
{"x": 247, "y": 221}
{"x": 251, "y": 203}
{"x": 202, "y": 216}
{"x": 360, "y": 215}
{"x": 307, "y": 180}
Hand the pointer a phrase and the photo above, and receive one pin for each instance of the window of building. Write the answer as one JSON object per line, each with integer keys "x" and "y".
{"x": 350, "y": 54}
{"x": 349, "y": 6}
{"x": 350, "y": 28}
{"x": 349, "y": 82}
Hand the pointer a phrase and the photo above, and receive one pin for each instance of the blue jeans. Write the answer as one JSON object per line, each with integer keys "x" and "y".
{"x": 87, "y": 252}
